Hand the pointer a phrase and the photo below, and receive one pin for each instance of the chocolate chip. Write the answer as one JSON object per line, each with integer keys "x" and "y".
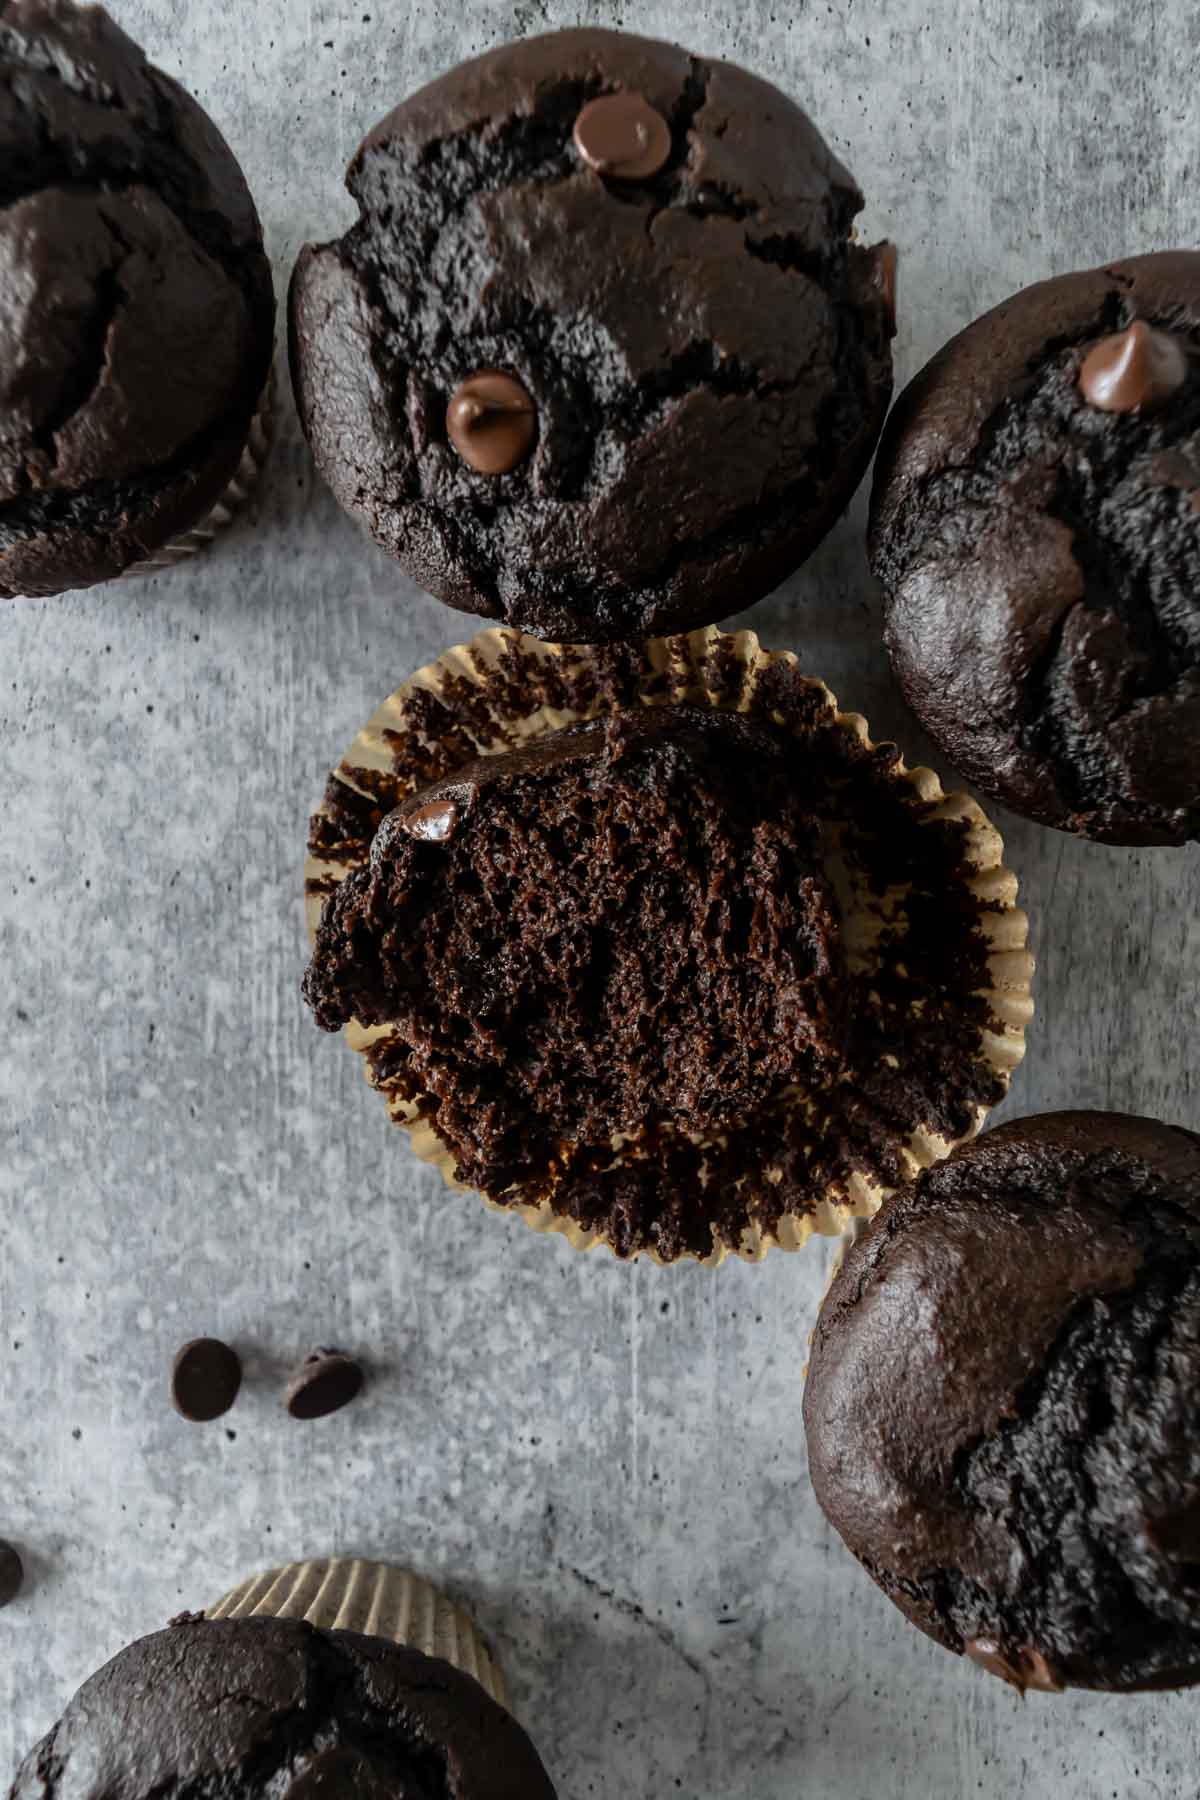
{"x": 325, "y": 1381}
{"x": 621, "y": 135}
{"x": 1133, "y": 368}
{"x": 490, "y": 421}
{"x": 433, "y": 823}
{"x": 205, "y": 1379}
{"x": 12, "y": 1574}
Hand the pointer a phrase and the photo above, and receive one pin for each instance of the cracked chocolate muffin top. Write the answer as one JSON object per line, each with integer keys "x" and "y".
{"x": 235, "y": 1710}
{"x": 599, "y": 357}
{"x": 1036, "y": 528}
{"x": 1003, "y": 1404}
{"x": 621, "y": 928}
{"x": 136, "y": 306}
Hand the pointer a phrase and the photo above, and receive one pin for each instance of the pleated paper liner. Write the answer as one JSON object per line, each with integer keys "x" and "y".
{"x": 241, "y": 486}
{"x": 374, "y": 1599}
{"x": 943, "y": 1010}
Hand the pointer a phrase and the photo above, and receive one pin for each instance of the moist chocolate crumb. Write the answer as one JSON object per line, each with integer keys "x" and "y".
{"x": 896, "y": 1042}
{"x": 1040, "y": 555}
{"x": 271, "y": 1708}
{"x": 1002, "y": 1409}
{"x": 137, "y": 315}
{"x": 740, "y": 366}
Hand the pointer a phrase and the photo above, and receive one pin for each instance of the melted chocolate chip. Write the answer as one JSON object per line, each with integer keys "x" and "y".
{"x": 1022, "y": 1669}
{"x": 622, "y": 136}
{"x": 491, "y": 421}
{"x": 12, "y": 1574}
{"x": 432, "y": 823}
{"x": 1134, "y": 368}
{"x": 205, "y": 1379}
{"x": 325, "y": 1382}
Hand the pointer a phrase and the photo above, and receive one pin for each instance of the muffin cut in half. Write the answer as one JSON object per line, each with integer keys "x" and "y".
{"x": 654, "y": 946}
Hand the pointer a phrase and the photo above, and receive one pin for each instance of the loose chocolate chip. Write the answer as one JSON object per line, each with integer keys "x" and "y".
{"x": 433, "y": 823}
{"x": 1132, "y": 369}
{"x": 205, "y": 1379}
{"x": 325, "y": 1381}
{"x": 621, "y": 135}
{"x": 12, "y": 1574}
{"x": 490, "y": 421}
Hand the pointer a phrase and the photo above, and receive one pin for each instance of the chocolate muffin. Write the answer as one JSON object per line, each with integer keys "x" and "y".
{"x": 136, "y": 306}
{"x": 599, "y": 357}
{"x": 1003, "y": 1403}
{"x": 1036, "y": 527}
{"x": 621, "y": 927}
{"x": 272, "y": 1707}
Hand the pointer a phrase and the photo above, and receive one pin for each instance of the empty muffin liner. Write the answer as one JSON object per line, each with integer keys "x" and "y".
{"x": 375, "y": 1599}
{"x": 504, "y": 688}
{"x": 243, "y": 483}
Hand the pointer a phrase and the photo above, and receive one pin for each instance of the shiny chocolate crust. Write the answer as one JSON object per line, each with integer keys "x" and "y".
{"x": 272, "y": 1709}
{"x": 1003, "y": 1402}
{"x": 707, "y": 351}
{"x": 136, "y": 306}
{"x": 1036, "y": 527}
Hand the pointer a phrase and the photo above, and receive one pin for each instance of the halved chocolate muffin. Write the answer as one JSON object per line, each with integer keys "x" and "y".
{"x": 655, "y": 948}
{"x": 621, "y": 927}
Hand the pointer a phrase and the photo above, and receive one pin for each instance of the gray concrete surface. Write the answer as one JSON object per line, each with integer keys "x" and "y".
{"x": 606, "y": 1462}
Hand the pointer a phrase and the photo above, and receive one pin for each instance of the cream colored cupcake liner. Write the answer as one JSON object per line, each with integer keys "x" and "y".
{"x": 242, "y": 484}
{"x": 504, "y": 688}
{"x": 374, "y": 1599}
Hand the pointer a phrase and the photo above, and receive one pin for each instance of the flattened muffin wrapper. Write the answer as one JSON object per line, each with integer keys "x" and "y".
{"x": 375, "y": 1599}
{"x": 241, "y": 486}
{"x": 505, "y": 688}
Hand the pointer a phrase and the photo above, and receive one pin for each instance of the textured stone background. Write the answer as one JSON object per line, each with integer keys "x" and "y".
{"x": 605, "y": 1461}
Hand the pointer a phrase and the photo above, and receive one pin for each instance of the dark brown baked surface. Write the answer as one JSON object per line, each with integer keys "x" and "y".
{"x": 136, "y": 306}
{"x": 1040, "y": 557}
{"x": 706, "y": 352}
{"x": 242, "y": 1709}
{"x": 1003, "y": 1402}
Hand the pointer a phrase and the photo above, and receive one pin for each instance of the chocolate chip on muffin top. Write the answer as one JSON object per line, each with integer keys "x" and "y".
{"x": 1036, "y": 527}
{"x": 649, "y": 255}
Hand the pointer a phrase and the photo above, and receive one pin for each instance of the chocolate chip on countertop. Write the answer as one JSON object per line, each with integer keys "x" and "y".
{"x": 12, "y": 1574}
{"x": 205, "y": 1379}
{"x": 325, "y": 1382}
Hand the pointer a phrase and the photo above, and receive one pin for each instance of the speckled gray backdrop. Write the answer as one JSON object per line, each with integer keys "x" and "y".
{"x": 605, "y": 1461}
